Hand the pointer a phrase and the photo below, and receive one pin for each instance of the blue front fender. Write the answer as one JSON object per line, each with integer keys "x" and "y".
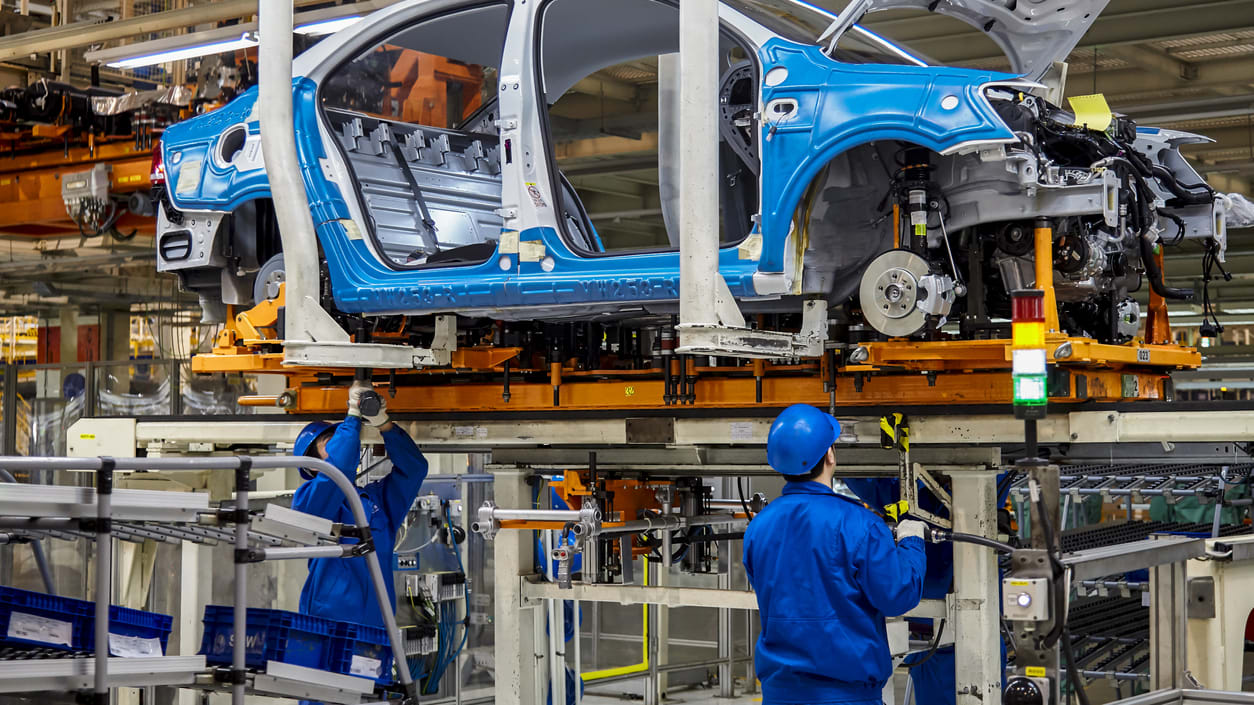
{"x": 840, "y": 106}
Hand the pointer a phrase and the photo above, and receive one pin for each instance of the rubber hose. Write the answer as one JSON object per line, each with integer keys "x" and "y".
{"x": 1142, "y": 165}
{"x": 1156, "y": 274}
{"x": 982, "y": 541}
{"x": 1077, "y": 682}
{"x": 1166, "y": 178}
{"x": 1060, "y": 591}
{"x": 36, "y": 547}
{"x": 936, "y": 638}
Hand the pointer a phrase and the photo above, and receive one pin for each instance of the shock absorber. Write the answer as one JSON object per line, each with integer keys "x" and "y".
{"x": 917, "y": 208}
{"x": 912, "y": 182}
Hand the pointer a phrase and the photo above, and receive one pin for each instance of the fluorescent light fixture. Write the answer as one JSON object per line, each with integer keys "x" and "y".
{"x": 1182, "y": 312}
{"x": 1245, "y": 311}
{"x": 327, "y": 26}
{"x": 244, "y": 41}
{"x": 223, "y": 39}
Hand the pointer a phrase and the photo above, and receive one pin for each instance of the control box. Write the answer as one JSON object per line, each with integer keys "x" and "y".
{"x": 438, "y": 587}
{"x": 1026, "y": 599}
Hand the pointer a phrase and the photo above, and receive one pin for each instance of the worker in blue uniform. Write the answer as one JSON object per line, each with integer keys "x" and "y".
{"x": 934, "y": 677}
{"x": 826, "y": 572}
{"x": 341, "y": 588}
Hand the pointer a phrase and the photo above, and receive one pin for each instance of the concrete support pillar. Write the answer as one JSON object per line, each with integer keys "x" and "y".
{"x": 115, "y": 344}
{"x": 69, "y": 335}
{"x": 115, "y": 334}
{"x": 518, "y": 661}
{"x": 977, "y": 613}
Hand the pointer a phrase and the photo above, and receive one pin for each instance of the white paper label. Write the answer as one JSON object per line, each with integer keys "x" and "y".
{"x": 134, "y": 646}
{"x": 32, "y": 627}
{"x": 365, "y": 666}
{"x": 189, "y": 177}
{"x": 741, "y": 431}
{"x": 463, "y": 431}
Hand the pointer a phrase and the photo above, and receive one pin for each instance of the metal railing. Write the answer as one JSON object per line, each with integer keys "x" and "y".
{"x": 242, "y": 466}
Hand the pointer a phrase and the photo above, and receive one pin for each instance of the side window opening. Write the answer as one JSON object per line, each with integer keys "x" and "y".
{"x": 414, "y": 117}
{"x": 601, "y": 61}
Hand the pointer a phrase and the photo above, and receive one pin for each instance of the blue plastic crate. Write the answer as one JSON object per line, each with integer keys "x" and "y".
{"x": 133, "y": 633}
{"x": 363, "y": 651}
{"x": 38, "y": 619}
{"x": 270, "y": 635}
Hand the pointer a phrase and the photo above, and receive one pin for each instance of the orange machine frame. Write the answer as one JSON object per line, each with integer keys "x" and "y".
{"x": 30, "y": 185}
{"x": 897, "y": 371}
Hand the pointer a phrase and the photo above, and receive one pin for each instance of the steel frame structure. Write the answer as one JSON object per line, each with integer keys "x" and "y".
{"x": 39, "y": 510}
{"x": 970, "y": 449}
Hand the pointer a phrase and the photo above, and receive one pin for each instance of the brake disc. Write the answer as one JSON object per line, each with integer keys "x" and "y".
{"x": 890, "y": 293}
{"x": 269, "y": 277}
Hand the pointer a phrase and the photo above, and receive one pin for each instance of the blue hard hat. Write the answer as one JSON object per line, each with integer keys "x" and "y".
{"x": 799, "y": 438}
{"x": 307, "y": 437}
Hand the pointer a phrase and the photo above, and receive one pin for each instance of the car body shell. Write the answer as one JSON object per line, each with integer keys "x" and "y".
{"x": 534, "y": 272}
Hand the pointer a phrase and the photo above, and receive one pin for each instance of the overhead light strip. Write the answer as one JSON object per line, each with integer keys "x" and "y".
{"x": 244, "y": 41}
{"x": 223, "y": 39}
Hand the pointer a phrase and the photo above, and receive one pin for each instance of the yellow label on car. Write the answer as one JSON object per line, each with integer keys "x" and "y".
{"x": 1035, "y": 671}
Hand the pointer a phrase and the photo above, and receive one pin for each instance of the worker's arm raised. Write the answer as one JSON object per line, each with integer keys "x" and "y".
{"x": 890, "y": 573}
{"x": 320, "y": 496}
{"x": 409, "y": 468}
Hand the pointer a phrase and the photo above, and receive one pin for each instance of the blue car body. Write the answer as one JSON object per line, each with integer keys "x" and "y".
{"x": 816, "y": 119}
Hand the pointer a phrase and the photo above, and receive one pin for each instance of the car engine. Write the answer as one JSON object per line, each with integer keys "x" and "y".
{"x": 949, "y": 237}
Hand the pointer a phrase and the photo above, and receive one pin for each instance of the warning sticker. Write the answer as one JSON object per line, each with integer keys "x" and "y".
{"x": 537, "y": 198}
{"x": 741, "y": 431}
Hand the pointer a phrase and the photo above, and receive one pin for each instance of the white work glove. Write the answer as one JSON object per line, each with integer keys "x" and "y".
{"x": 910, "y": 527}
{"x": 380, "y": 418}
{"x": 354, "y": 396}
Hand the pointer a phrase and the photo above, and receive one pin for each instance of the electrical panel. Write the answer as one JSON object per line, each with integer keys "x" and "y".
{"x": 438, "y": 587}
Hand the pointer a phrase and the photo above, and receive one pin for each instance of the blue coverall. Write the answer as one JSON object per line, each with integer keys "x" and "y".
{"x": 935, "y": 682}
{"x": 340, "y": 588}
{"x": 826, "y": 572}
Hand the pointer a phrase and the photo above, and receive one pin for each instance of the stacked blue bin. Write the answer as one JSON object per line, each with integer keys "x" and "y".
{"x": 301, "y": 640}
{"x": 35, "y": 619}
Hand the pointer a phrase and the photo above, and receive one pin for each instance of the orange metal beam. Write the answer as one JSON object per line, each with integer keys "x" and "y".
{"x": 716, "y": 389}
{"x": 958, "y": 355}
{"x": 1044, "y": 241}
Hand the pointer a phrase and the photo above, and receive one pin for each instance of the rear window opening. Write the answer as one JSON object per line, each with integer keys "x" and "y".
{"x": 414, "y": 116}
